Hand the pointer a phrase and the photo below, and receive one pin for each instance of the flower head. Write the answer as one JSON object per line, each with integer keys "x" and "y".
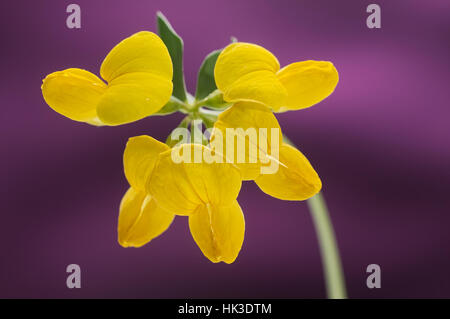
{"x": 248, "y": 72}
{"x": 138, "y": 72}
{"x": 199, "y": 181}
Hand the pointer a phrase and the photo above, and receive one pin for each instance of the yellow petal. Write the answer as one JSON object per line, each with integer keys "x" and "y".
{"x": 139, "y": 159}
{"x": 295, "y": 179}
{"x": 73, "y": 93}
{"x": 180, "y": 187}
{"x": 307, "y": 83}
{"x": 132, "y": 97}
{"x": 141, "y": 219}
{"x": 246, "y": 71}
{"x": 142, "y": 52}
{"x": 258, "y": 86}
{"x": 257, "y": 131}
{"x": 218, "y": 231}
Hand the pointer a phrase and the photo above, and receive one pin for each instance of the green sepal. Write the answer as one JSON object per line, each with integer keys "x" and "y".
{"x": 174, "y": 44}
{"x": 205, "y": 80}
{"x": 208, "y": 119}
{"x": 215, "y": 101}
{"x": 171, "y": 107}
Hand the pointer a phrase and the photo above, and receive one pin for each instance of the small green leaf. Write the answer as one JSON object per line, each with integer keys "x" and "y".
{"x": 174, "y": 44}
{"x": 205, "y": 82}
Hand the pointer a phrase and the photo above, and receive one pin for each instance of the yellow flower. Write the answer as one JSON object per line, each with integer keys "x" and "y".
{"x": 248, "y": 72}
{"x": 161, "y": 188}
{"x": 249, "y": 76}
{"x": 139, "y": 75}
{"x": 291, "y": 178}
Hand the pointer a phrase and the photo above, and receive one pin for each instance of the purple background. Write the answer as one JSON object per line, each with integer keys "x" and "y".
{"x": 380, "y": 144}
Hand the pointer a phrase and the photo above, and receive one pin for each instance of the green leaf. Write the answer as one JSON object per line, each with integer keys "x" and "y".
{"x": 205, "y": 82}
{"x": 174, "y": 44}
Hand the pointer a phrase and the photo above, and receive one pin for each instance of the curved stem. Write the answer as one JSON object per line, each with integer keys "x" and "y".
{"x": 334, "y": 276}
{"x": 329, "y": 251}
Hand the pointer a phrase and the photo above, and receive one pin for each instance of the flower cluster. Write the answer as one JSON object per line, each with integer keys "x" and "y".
{"x": 245, "y": 83}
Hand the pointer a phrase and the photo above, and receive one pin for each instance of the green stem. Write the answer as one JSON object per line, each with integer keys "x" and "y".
{"x": 329, "y": 251}
{"x": 334, "y": 276}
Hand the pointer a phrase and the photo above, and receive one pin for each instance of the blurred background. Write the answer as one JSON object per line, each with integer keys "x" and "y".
{"x": 380, "y": 144}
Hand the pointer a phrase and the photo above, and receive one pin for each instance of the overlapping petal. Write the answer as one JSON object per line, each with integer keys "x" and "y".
{"x": 132, "y": 97}
{"x": 139, "y": 75}
{"x": 167, "y": 182}
{"x": 248, "y": 72}
{"x": 280, "y": 170}
{"x": 141, "y": 219}
{"x": 139, "y": 159}
{"x": 240, "y": 59}
{"x": 251, "y": 130}
{"x": 181, "y": 185}
{"x": 142, "y": 52}
{"x": 218, "y": 231}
